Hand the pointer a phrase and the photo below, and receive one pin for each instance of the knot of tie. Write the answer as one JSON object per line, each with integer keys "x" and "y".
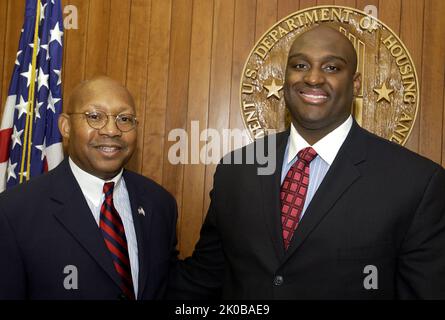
{"x": 307, "y": 154}
{"x": 108, "y": 190}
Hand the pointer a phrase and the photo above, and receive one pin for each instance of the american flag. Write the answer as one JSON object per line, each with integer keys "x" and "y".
{"x": 30, "y": 141}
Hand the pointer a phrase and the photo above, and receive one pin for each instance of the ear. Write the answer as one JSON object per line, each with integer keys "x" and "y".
{"x": 357, "y": 80}
{"x": 64, "y": 125}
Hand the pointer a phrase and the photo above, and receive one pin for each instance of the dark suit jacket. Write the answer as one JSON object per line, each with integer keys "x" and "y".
{"x": 379, "y": 205}
{"x": 46, "y": 225}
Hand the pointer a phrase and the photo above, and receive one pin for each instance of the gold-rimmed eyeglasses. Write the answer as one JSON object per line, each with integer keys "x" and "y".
{"x": 98, "y": 119}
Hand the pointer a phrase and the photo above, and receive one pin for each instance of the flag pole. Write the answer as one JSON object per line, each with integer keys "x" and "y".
{"x": 30, "y": 113}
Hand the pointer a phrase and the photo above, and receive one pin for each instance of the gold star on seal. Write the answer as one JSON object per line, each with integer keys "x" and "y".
{"x": 383, "y": 92}
{"x": 273, "y": 88}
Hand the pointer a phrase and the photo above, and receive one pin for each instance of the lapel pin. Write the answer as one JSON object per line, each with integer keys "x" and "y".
{"x": 141, "y": 211}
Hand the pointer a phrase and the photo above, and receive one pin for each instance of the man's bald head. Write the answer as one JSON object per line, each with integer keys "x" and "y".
{"x": 93, "y": 87}
{"x": 320, "y": 81}
{"x": 331, "y": 36}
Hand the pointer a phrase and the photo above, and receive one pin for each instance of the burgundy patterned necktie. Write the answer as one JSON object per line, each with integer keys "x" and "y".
{"x": 114, "y": 235}
{"x": 293, "y": 193}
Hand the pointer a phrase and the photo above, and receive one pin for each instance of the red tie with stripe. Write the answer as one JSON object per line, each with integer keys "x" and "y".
{"x": 293, "y": 193}
{"x": 114, "y": 235}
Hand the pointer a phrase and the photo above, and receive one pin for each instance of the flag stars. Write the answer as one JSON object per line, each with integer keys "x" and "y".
{"x": 27, "y": 75}
{"x": 42, "y": 80}
{"x": 42, "y": 11}
{"x": 17, "y": 62}
{"x": 56, "y": 34}
{"x": 52, "y": 102}
{"x": 22, "y": 107}
{"x": 11, "y": 170}
{"x": 59, "y": 75}
{"x": 45, "y": 47}
{"x": 37, "y": 109}
{"x": 38, "y": 45}
{"x": 15, "y": 137}
{"x": 42, "y": 148}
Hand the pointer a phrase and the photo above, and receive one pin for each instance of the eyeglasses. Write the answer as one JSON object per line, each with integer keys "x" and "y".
{"x": 97, "y": 120}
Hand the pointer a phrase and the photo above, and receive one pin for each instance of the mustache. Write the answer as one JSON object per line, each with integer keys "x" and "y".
{"x": 111, "y": 143}
{"x": 308, "y": 89}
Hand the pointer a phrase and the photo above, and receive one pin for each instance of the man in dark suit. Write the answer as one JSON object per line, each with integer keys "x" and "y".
{"x": 346, "y": 214}
{"x": 89, "y": 229}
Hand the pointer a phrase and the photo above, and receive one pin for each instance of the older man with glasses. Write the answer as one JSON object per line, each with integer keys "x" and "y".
{"x": 89, "y": 229}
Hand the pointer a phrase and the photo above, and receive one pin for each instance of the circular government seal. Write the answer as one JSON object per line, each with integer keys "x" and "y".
{"x": 388, "y": 101}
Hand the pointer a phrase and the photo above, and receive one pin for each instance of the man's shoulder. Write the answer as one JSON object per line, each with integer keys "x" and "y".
{"x": 34, "y": 188}
{"x": 395, "y": 154}
{"x": 22, "y": 202}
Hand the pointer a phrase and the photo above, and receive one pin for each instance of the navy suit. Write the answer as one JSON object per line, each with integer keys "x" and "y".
{"x": 46, "y": 225}
{"x": 379, "y": 205}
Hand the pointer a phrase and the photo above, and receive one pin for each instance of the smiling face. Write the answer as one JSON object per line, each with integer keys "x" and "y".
{"x": 320, "y": 81}
{"x": 103, "y": 152}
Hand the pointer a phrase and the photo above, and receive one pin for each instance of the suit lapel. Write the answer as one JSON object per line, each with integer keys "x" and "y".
{"x": 75, "y": 215}
{"x": 342, "y": 174}
{"x": 142, "y": 223}
{"x": 270, "y": 195}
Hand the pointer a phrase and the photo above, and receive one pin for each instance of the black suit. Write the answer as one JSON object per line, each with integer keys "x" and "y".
{"x": 379, "y": 204}
{"x": 46, "y": 224}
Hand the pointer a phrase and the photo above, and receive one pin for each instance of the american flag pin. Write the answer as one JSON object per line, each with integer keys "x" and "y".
{"x": 141, "y": 211}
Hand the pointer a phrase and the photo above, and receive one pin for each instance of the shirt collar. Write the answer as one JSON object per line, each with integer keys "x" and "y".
{"x": 327, "y": 147}
{"x": 92, "y": 186}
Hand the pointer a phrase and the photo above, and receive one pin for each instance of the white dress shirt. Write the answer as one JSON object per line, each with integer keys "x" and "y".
{"x": 92, "y": 189}
{"x": 326, "y": 148}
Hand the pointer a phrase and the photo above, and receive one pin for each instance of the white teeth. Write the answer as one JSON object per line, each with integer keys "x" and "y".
{"x": 108, "y": 149}
{"x": 314, "y": 96}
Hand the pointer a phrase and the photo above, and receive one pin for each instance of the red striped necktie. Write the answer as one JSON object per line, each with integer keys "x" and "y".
{"x": 293, "y": 193}
{"x": 114, "y": 235}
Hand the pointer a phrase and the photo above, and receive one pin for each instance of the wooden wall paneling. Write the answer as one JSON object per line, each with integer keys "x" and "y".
{"x": 3, "y": 17}
{"x": 136, "y": 69}
{"x": 243, "y": 42}
{"x": 390, "y": 14}
{"x": 411, "y": 33}
{"x": 177, "y": 94}
{"x": 325, "y": 2}
{"x": 198, "y": 104}
{"x": 433, "y": 70}
{"x": 97, "y": 38}
{"x": 156, "y": 92}
{"x": 443, "y": 128}
{"x": 361, "y": 4}
{"x": 286, "y": 7}
{"x": 14, "y": 23}
{"x": 118, "y": 36}
{"x": 220, "y": 79}
{"x": 307, "y": 4}
{"x": 75, "y": 50}
{"x": 346, "y": 3}
{"x": 266, "y": 16}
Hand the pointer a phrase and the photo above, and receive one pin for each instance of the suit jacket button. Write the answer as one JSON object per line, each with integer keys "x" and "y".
{"x": 122, "y": 297}
{"x": 278, "y": 280}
